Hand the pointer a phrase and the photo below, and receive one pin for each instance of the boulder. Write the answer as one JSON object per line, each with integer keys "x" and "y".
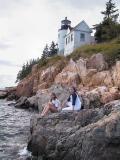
{"x": 37, "y": 80}
{"x": 97, "y": 61}
{"x": 81, "y": 67}
{"x": 78, "y": 68}
{"x": 102, "y": 78}
{"x": 111, "y": 95}
{"x": 27, "y": 103}
{"x": 42, "y": 97}
{"x": 3, "y": 94}
{"x": 69, "y": 75}
{"x": 21, "y": 103}
{"x": 47, "y": 76}
{"x": 9, "y": 93}
{"x": 86, "y": 79}
{"x": 88, "y": 72}
{"x": 32, "y": 102}
{"x": 68, "y": 78}
{"x": 89, "y": 134}
{"x": 12, "y": 97}
{"x": 25, "y": 87}
{"x": 113, "y": 105}
{"x": 99, "y": 96}
{"x": 92, "y": 99}
{"x": 29, "y": 85}
{"x": 116, "y": 74}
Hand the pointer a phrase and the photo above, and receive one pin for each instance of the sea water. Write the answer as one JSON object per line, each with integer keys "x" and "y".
{"x": 14, "y": 131}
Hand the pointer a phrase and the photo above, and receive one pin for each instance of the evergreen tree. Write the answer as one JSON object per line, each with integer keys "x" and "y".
{"x": 45, "y": 52}
{"x": 111, "y": 13}
{"x": 109, "y": 27}
{"x": 53, "y": 49}
{"x": 26, "y": 69}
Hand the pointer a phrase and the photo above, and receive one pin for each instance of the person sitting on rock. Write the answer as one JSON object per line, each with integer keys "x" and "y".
{"x": 73, "y": 102}
{"x": 53, "y": 105}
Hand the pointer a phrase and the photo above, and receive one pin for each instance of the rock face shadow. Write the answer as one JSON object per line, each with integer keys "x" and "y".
{"x": 92, "y": 134}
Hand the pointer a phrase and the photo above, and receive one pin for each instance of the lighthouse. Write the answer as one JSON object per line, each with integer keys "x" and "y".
{"x": 65, "y": 24}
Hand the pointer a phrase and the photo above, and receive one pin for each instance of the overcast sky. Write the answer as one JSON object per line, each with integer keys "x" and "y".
{"x": 27, "y": 25}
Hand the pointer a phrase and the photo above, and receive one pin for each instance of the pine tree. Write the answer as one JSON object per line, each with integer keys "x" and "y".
{"x": 45, "y": 52}
{"x": 109, "y": 27}
{"x": 26, "y": 69}
{"x": 53, "y": 49}
{"x": 111, "y": 13}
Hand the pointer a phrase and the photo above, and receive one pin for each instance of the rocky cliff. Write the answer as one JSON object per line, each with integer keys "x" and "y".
{"x": 90, "y": 73}
{"x": 96, "y": 82}
{"x": 85, "y": 74}
{"x": 94, "y": 132}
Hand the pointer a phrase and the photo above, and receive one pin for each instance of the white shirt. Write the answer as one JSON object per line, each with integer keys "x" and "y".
{"x": 56, "y": 102}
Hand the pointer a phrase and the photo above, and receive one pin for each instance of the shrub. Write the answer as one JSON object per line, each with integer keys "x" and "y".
{"x": 44, "y": 63}
{"x": 111, "y": 51}
{"x": 26, "y": 69}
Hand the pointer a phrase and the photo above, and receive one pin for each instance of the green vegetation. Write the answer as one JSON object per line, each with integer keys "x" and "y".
{"x": 109, "y": 28}
{"x": 26, "y": 69}
{"x": 45, "y": 60}
{"x": 59, "y": 61}
{"x": 50, "y": 57}
{"x": 49, "y": 51}
{"x": 111, "y": 51}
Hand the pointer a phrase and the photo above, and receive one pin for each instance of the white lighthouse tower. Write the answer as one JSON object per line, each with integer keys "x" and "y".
{"x": 65, "y": 24}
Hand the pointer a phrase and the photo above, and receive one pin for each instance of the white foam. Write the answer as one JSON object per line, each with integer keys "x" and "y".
{"x": 24, "y": 152}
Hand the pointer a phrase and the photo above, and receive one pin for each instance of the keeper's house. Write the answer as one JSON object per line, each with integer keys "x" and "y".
{"x": 71, "y": 38}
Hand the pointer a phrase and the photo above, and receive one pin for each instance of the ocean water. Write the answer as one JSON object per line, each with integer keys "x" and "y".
{"x": 14, "y": 130}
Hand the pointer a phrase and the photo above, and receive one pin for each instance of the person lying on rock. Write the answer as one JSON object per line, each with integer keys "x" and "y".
{"x": 52, "y": 106}
{"x": 73, "y": 102}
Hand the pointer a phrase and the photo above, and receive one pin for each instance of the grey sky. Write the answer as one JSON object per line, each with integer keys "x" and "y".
{"x": 27, "y": 25}
{"x": 86, "y": 4}
{"x": 8, "y": 63}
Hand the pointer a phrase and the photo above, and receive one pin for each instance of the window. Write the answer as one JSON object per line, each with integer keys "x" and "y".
{"x": 66, "y": 41}
{"x": 71, "y": 37}
{"x": 82, "y": 37}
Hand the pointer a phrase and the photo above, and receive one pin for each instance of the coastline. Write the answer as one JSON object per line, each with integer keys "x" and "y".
{"x": 9, "y": 93}
{"x": 53, "y": 136}
{"x": 14, "y": 131}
